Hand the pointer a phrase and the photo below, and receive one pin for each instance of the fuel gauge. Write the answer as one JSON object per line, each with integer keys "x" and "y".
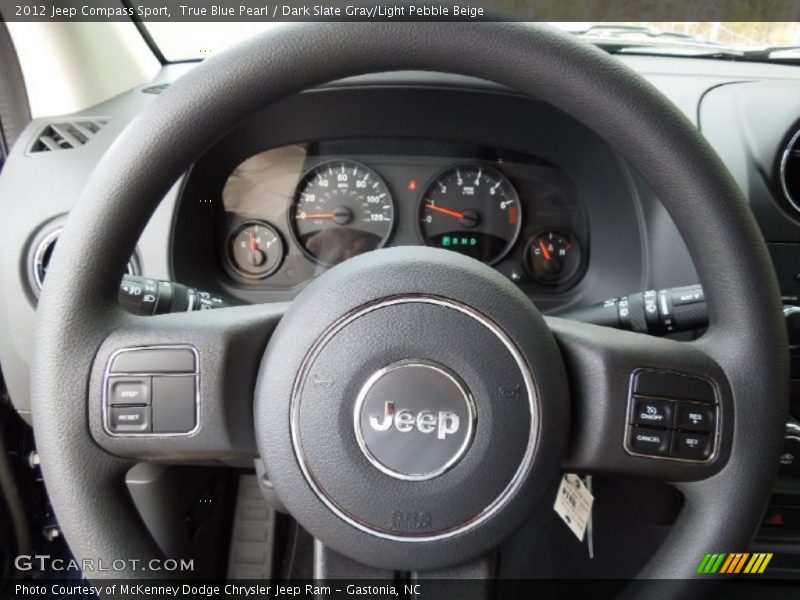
{"x": 552, "y": 257}
{"x": 255, "y": 249}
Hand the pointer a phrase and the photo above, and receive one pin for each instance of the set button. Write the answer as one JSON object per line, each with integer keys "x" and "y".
{"x": 692, "y": 446}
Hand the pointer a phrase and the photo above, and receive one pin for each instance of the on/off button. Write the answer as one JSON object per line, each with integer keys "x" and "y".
{"x": 653, "y": 413}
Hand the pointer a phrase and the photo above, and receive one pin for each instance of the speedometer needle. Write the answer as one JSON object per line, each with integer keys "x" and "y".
{"x": 341, "y": 215}
{"x": 303, "y": 216}
{"x": 445, "y": 211}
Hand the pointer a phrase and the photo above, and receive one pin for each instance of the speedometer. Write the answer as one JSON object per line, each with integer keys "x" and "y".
{"x": 472, "y": 209}
{"x": 341, "y": 209}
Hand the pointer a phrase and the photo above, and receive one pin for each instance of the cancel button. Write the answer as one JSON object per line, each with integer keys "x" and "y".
{"x": 653, "y": 413}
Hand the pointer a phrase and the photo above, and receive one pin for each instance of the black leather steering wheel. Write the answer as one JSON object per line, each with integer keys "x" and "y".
{"x": 569, "y": 381}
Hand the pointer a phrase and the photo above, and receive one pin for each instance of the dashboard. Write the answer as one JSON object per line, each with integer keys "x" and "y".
{"x": 290, "y": 212}
{"x": 340, "y": 171}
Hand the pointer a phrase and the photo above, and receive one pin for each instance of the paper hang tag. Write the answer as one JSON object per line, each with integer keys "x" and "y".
{"x": 574, "y": 504}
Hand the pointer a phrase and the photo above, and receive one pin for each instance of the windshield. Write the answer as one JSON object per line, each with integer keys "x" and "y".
{"x": 197, "y": 40}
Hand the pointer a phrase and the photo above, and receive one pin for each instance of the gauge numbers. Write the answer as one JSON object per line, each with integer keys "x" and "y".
{"x": 472, "y": 209}
{"x": 341, "y": 209}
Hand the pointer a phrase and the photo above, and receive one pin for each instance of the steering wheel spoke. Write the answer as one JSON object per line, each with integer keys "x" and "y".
{"x": 180, "y": 386}
{"x": 643, "y": 406}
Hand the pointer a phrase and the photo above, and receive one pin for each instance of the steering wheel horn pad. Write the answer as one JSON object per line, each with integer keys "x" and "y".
{"x": 428, "y": 332}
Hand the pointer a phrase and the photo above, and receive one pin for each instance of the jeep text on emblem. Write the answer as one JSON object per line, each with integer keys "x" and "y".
{"x": 444, "y": 423}
{"x": 414, "y": 419}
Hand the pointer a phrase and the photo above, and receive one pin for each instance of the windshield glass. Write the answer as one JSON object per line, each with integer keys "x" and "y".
{"x": 195, "y": 40}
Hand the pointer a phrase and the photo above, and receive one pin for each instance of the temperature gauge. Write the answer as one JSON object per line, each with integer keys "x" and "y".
{"x": 552, "y": 257}
{"x": 255, "y": 249}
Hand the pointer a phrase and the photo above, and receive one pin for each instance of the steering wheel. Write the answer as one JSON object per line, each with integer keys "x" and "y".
{"x": 411, "y": 406}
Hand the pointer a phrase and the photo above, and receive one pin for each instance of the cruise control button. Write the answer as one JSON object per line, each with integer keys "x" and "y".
{"x": 129, "y": 390}
{"x": 129, "y": 419}
{"x": 649, "y": 441}
{"x": 695, "y": 417}
{"x": 694, "y": 446}
{"x": 654, "y": 413}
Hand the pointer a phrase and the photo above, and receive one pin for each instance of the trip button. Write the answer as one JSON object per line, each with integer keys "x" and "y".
{"x": 129, "y": 419}
{"x": 129, "y": 390}
{"x": 649, "y": 441}
{"x": 695, "y": 417}
{"x": 653, "y": 413}
{"x": 692, "y": 446}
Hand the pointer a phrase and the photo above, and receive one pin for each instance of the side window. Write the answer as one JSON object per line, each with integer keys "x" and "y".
{"x": 14, "y": 109}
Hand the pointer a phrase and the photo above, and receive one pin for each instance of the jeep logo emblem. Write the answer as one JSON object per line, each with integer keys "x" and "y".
{"x": 444, "y": 423}
{"x": 414, "y": 420}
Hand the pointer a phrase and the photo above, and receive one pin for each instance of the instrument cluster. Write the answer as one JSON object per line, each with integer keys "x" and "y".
{"x": 294, "y": 211}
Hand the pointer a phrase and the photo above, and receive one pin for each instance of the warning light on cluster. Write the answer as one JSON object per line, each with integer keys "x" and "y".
{"x": 412, "y": 185}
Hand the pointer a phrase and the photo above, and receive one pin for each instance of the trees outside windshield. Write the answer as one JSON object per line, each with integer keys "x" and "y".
{"x": 197, "y": 40}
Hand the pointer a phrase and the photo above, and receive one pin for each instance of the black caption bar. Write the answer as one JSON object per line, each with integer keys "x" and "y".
{"x": 411, "y": 588}
{"x": 651, "y": 11}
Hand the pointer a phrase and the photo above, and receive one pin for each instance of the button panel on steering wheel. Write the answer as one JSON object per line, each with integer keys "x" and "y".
{"x": 151, "y": 390}
{"x": 672, "y": 415}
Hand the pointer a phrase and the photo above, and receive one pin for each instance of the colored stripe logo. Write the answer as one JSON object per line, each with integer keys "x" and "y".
{"x": 732, "y": 563}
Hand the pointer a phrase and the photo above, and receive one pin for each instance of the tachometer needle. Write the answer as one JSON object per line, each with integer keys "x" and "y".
{"x": 445, "y": 211}
{"x": 545, "y": 251}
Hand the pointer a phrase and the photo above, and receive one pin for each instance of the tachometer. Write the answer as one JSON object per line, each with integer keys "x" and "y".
{"x": 472, "y": 209}
{"x": 341, "y": 209}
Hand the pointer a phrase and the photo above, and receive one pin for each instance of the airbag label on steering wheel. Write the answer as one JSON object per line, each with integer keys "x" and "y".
{"x": 574, "y": 504}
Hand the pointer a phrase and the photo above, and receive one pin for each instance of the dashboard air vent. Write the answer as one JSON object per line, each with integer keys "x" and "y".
{"x": 67, "y": 135}
{"x": 42, "y": 251}
{"x": 790, "y": 171}
{"x": 155, "y": 89}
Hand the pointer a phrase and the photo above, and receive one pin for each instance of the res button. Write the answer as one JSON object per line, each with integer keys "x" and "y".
{"x": 695, "y": 417}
